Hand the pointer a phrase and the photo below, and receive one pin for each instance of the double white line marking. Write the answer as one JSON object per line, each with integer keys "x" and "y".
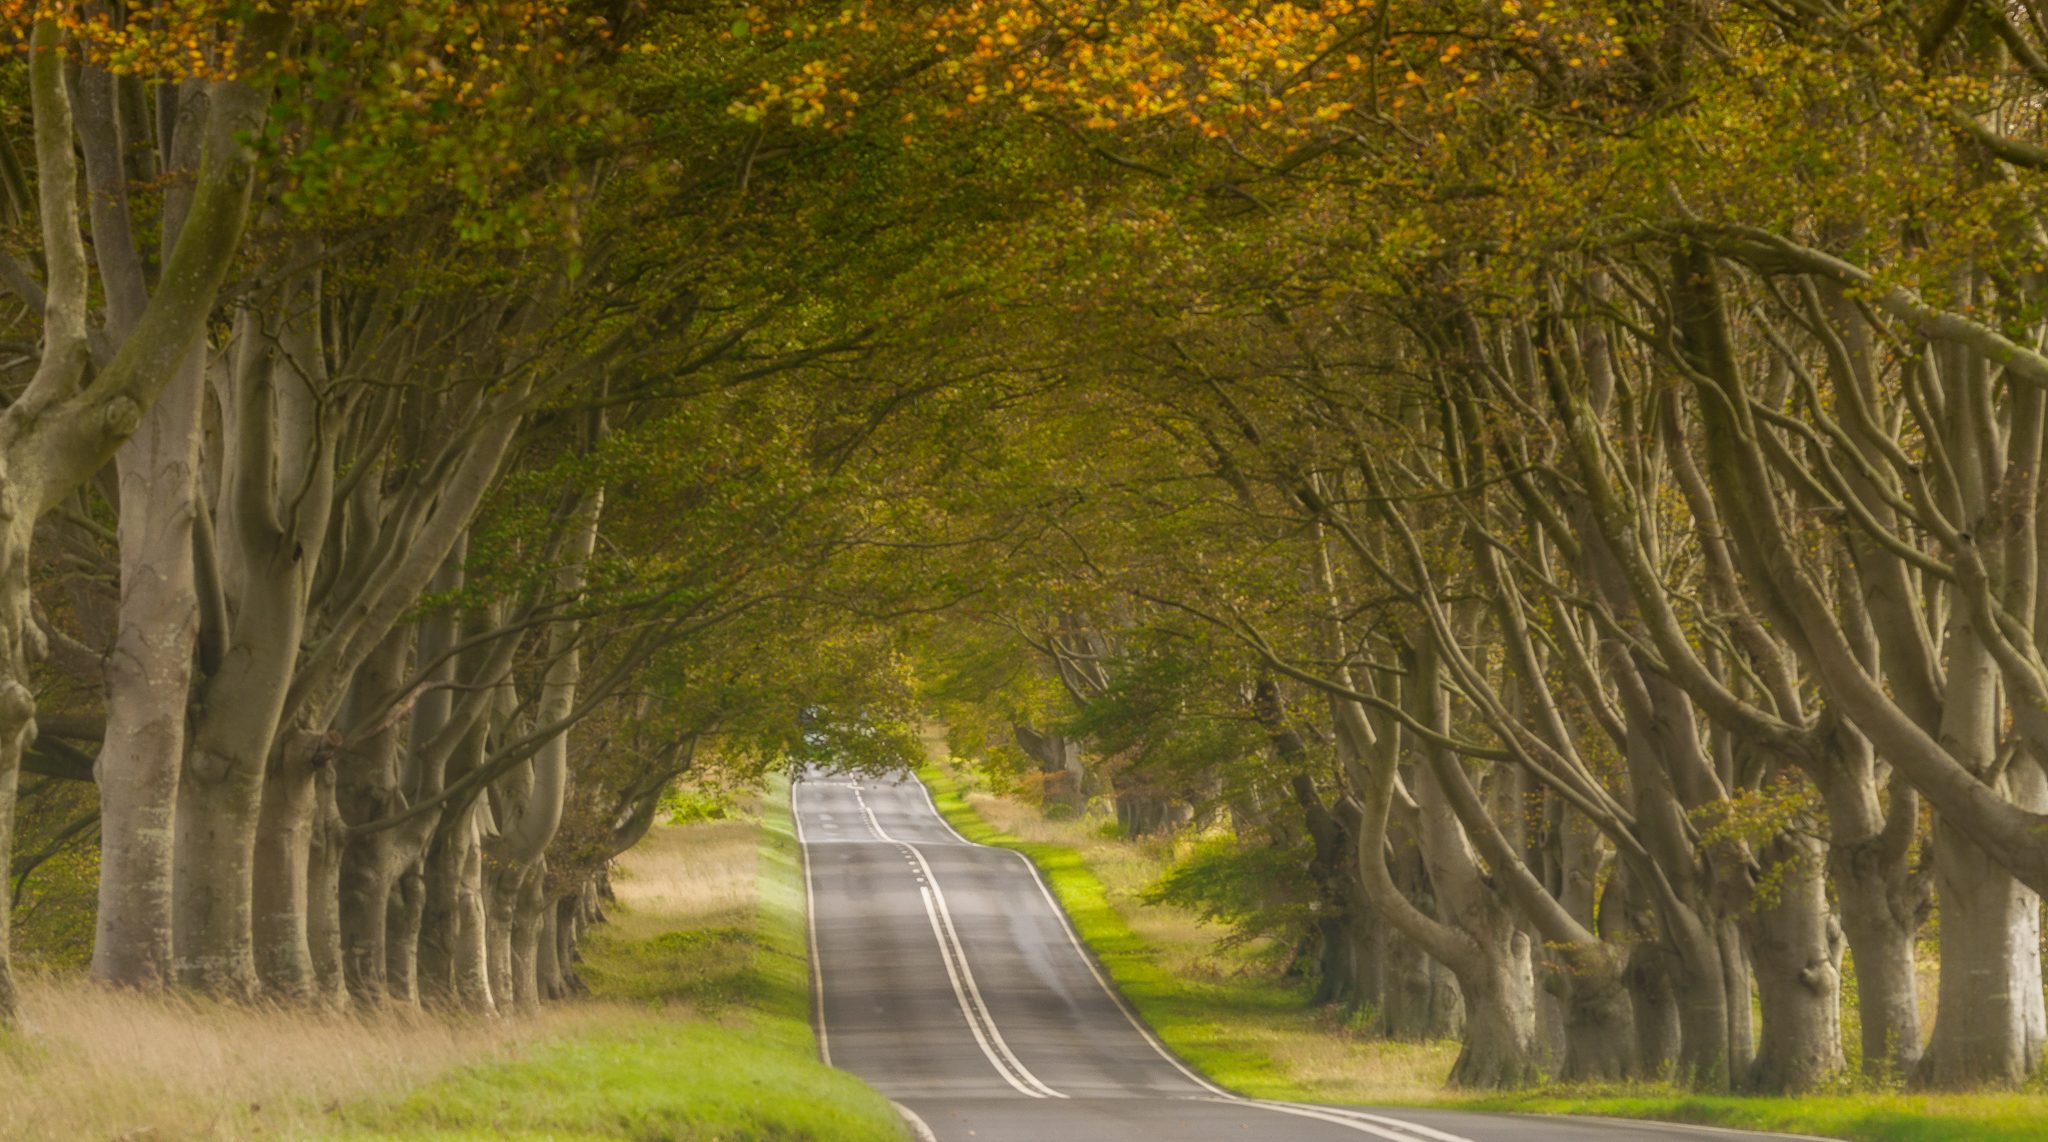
{"x": 958, "y": 973}
{"x": 990, "y": 1039}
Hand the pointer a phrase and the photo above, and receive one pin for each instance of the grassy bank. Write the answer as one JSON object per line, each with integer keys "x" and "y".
{"x": 698, "y": 1029}
{"x": 1226, "y": 1013}
{"x": 719, "y": 1045}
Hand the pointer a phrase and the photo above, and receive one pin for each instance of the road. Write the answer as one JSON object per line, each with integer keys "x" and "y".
{"x": 945, "y": 975}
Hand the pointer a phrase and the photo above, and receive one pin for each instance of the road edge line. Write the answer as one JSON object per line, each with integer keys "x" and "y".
{"x": 918, "y": 1127}
{"x": 814, "y": 952}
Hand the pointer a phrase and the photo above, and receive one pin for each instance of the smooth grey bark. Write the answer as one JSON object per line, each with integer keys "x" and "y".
{"x": 148, "y": 684}
{"x": 1653, "y": 1003}
{"x": 440, "y": 952}
{"x": 530, "y": 823}
{"x": 1476, "y": 938}
{"x": 471, "y": 935}
{"x": 421, "y": 772}
{"x": 1797, "y": 953}
{"x": 148, "y": 669}
{"x": 1420, "y": 996}
{"x": 386, "y": 573}
{"x": 529, "y": 933}
{"x": 1989, "y": 1024}
{"x": 547, "y": 950}
{"x": 404, "y": 917}
{"x": 503, "y": 888}
{"x": 1877, "y": 899}
{"x": 367, "y": 787}
{"x": 324, "y": 936}
{"x": 281, "y": 890}
{"x": 568, "y": 908}
{"x": 268, "y": 538}
{"x": 63, "y": 427}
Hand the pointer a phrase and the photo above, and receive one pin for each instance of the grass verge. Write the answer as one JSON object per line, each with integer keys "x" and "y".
{"x": 1254, "y": 1033}
{"x": 1238, "y": 1024}
{"x": 1872, "y": 1117}
{"x": 720, "y": 1046}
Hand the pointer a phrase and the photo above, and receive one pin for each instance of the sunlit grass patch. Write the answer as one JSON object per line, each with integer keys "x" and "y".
{"x": 1225, "y": 1011}
{"x": 708, "y": 940}
{"x": 1253, "y": 1033}
{"x": 2010, "y": 1116}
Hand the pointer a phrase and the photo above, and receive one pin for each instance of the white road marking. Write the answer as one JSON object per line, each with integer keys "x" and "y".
{"x": 1354, "y": 1119}
{"x": 981, "y": 1037}
{"x": 1413, "y": 1128}
{"x": 811, "y": 927}
{"x": 1088, "y": 961}
{"x": 965, "y": 990}
{"x": 1395, "y": 1133}
{"x": 918, "y": 1127}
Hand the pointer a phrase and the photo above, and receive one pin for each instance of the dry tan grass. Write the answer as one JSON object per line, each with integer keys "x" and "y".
{"x": 686, "y": 877}
{"x": 94, "y": 1063}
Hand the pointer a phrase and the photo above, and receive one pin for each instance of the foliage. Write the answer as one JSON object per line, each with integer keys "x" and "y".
{"x": 1257, "y": 890}
{"x": 57, "y": 853}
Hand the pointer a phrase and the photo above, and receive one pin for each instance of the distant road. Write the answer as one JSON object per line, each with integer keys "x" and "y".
{"x": 946, "y": 977}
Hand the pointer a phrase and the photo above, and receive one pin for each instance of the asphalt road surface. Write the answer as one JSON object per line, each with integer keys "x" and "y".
{"x": 945, "y": 975}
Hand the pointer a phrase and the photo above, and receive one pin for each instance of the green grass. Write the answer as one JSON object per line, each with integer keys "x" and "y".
{"x": 1242, "y": 1029}
{"x": 1248, "y": 1033}
{"x": 1873, "y": 1117}
{"x": 718, "y": 1046}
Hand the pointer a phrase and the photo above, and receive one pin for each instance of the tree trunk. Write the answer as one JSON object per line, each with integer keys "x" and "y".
{"x": 284, "y": 842}
{"x": 454, "y": 957}
{"x": 1989, "y": 1023}
{"x": 472, "y": 932}
{"x": 17, "y": 716}
{"x": 1499, "y": 1040}
{"x": 1736, "y": 982}
{"x": 547, "y": 960}
{"x": 503, "y": 887}
{"x": 323, "y": 903}
{"x": 403, "y": 920}
{"x": 1058, "y": 759}
{"x": 148, "y": 685}
{"x": 1798, "y": 973}
{"x": 439, "y": 924}
{"x": 1887, "y": 998}
{"x": 1599, "y": 1028}
{"x": 63, "y": 426}
{"x": 1868, "y": 859}
{"x": 222, "y": 798}
{"x": 217, "y": 810}
{"x": 567, "y": 909}
{"x": 1421, "y": 997}
{"x": 1654, "y": 1002}
{"x": 364, "y": 884}
{"x": 1700, "y": 989}
{"x": 366, "y": 788}
{"x": 529, "y": 931}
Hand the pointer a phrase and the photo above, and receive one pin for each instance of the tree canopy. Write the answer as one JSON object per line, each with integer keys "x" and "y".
{"x": 1551, "y": 489}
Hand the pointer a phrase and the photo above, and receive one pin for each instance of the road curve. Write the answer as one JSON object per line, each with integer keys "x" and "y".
{"x": 944, "y": 974}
